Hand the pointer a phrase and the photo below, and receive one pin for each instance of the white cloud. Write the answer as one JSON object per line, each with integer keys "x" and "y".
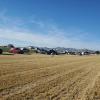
{"x": 43, "y": 40}
{"x": 53, "y": 36}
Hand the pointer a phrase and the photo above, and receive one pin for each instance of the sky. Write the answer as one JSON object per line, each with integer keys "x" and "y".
{"x": 50, "y": 23}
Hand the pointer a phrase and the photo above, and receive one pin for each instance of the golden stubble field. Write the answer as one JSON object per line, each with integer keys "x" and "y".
{"x": 42, "y": 77}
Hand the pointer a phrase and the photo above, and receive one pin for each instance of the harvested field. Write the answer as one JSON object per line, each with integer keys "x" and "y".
{"x": 42, "y": 77}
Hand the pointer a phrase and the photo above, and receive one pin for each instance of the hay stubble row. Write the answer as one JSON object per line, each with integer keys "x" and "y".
{"x": 42, "y": 77}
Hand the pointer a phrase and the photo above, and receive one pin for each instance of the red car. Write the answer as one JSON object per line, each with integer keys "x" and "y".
{"x": 16, "y": 51}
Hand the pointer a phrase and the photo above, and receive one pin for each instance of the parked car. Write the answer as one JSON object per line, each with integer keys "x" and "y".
{"x": 16, "y": 51}
{"x": 1, "y": 51}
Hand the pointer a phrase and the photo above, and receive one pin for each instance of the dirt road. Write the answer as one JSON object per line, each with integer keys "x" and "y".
{"x": 42, "y": 77}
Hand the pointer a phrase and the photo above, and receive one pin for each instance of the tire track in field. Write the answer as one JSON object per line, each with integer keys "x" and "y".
{"x": 12, "y": 89}
{"x": 36, "y": 74}
{"x": 38, "y": 68}
{"x": 53, "y": 82}
{"x": 75, "y": 89}
{"x": 93, "y": 92}
{"x": 5, "y": 68}
{"x": 49, "y": 74}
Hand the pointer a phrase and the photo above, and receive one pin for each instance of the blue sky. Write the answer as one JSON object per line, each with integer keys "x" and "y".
{"x": 51, "y": 23}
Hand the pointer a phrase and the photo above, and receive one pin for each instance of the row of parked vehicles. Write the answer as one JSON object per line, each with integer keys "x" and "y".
{"x": 27, "y": 50}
